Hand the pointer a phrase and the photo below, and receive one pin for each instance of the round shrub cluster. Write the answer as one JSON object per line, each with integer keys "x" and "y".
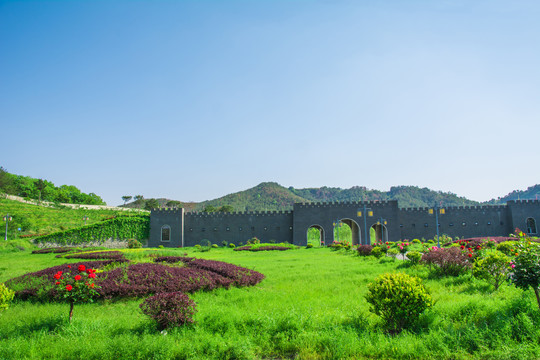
{"x": 134, "y": 244}
{"x": 169, "y": 309}
{"x": 398, "y": 299}
{"x": 414, "y": 256}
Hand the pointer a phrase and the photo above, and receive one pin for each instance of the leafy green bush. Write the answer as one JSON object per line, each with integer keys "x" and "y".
{"x": 414, "y": 256}
{"x": 134, "y": 244}
{"x": 6, "y": 296}
{"x": 416, "y": 241}
{"x": 493, "y": 266}
{"x": 215, "y": 246}
{"x": 309, "y": 246}
{"x": 393, "y": 252}
{"x": 377, "y": 252}
{"x": 232, "y": 246}
{"x": 169, "y": 309}
{"x": 398, "y": 299}
{"x": 507, "y": 247}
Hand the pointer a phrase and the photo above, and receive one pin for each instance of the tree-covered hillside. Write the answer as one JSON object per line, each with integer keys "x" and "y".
{"x": 44, "y": 190}
{"x": 532, "y": 193}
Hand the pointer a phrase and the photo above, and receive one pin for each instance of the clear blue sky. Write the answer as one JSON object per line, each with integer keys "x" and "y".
{"x": 192, "y": 100}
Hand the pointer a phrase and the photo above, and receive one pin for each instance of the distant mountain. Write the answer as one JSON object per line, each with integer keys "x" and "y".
{"x": 267, "y": 196}
{"x": 532, "y": 193}
{"x": 270, "y": 196}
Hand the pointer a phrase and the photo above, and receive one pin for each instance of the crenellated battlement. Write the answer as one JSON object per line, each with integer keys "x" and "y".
{"x": 524, "y": 202}
{"x": 166, "y": 211}
{"x": 236, "y": 213}
{"x": 460, "y": 208}
{"x": 343, "y": 203}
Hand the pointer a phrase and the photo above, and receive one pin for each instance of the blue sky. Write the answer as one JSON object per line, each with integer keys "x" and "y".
{"x": 192, "y": 100}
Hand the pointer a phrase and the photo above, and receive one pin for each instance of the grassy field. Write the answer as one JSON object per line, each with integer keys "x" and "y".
{"x": 310, "y": 306}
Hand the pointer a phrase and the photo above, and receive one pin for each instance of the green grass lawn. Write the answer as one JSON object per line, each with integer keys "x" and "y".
{"x": 310, "y": 306}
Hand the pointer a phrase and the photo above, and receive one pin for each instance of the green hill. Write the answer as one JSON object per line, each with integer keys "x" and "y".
{"x": 532, "y": 193}
{"x": 267, "y": 196}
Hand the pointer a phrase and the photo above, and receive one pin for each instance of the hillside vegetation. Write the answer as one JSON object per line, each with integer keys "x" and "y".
{"x": 35, "y": 219}
{"x": 45, "y": 190}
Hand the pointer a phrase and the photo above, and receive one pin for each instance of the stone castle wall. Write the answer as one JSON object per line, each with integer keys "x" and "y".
{"x": 191, "y": 228}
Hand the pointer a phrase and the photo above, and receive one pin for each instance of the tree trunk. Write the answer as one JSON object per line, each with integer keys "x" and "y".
{"x": 70, "y": 310}
{"x": 537, "y": 293}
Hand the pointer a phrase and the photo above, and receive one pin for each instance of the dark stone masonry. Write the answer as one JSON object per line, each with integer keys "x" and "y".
{"x": 176, "y": 228}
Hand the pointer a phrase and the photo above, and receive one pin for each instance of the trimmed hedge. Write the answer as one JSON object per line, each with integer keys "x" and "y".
{"x": 122, "y": 227}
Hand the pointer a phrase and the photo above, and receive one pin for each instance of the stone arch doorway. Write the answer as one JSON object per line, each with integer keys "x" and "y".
{"x": 378, "y": 232}
{"x": 531, "y": 226}
{"x": 341, "y": 233}
{"x": 315, "y": 235}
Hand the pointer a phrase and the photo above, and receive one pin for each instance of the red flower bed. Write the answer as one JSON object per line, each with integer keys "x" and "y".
{"x": 113, "y": 255}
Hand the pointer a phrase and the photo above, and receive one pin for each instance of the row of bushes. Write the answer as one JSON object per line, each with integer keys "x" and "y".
{"x": 121, "y": 227}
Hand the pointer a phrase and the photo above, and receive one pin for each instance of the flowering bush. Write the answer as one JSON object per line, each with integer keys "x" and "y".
{"x": 134, "y": 244}
{"x": 76, "y": 286}
{"x": 6, "y": 295}
{"x": 364, "y": 250}
{"x": 398, "y": 299}
{"x": 451, "y": 261}
{"x": 169, "y": 309}
{"x": 493, "y": 267}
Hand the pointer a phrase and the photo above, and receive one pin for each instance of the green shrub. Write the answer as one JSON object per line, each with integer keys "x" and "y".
{"x": 493, "y": 267}
{"x": 414, "y": 256}
{"x": 416, "y": 241}
{"x": 215, "y": 246}
{"x": 398, "y": 299}
{"x": 224, "y": 243}
{"x": 6, "y": 295}
{"x": 162, "y": 247}
{"x": 232, "y": 246}
{"x": 377, "y": 252}
{"x": 393, "y": 252}
{"x": 134, "y": 244}
{"x": 309, "y": 246}
{"x": 507, "y": 247}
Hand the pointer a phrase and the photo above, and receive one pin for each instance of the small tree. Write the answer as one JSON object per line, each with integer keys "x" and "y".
{"x": 493, "y": 267}
{"x": 6, "y": 296}
{"x": 126, "y": 198}
{"x": 76, "y": 286}
{"x": 398, "y": 299}
{"x": 526, "y": 270}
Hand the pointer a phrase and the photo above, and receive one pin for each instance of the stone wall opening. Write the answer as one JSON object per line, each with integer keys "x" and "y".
{"x": 347, "y": 230}
{"x": 531, "y": 226}
{"x": 315, "y": 235}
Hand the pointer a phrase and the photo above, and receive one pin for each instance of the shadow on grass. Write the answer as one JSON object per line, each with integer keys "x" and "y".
{"x": 48, "y": 325}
